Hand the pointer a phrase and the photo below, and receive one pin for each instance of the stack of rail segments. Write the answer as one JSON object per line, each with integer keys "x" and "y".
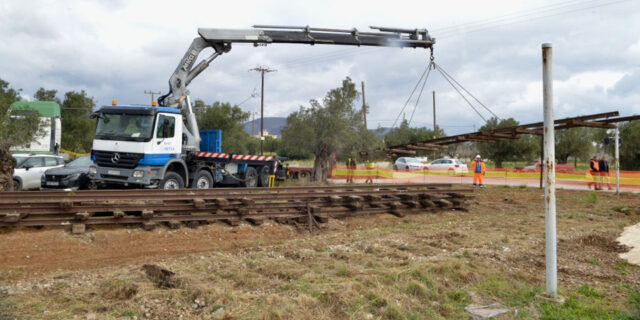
{"x": 307, "y": 206}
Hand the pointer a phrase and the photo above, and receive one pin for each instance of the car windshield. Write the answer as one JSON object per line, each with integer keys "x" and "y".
{"x": 80, "y": 162}
{"x": 129, "y": 127}
{"x": 459, "y": 162}
{"x": 413, "y": 160}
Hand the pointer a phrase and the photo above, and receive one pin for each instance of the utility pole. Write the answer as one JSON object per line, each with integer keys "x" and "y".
{"x": 549, "y": 173}
{"x": 262, "y": 70}
{"x": 253, "y": 122}
{"x": 435, "y": 131}
{"x": 152, "y": 94}
{"x": 364, "y": 107}
{"x": 617, "y": 155}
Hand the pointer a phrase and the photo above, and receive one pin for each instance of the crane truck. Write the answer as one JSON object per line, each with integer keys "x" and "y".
{"x": 152, "y": 147}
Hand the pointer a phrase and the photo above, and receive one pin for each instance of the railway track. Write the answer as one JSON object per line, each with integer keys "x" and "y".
{"x": 150, "y": 208}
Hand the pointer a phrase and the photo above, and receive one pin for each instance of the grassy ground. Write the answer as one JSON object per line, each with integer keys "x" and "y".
{"x": 423, "y": 266}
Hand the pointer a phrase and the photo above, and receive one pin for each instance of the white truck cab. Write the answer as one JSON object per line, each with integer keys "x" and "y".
{"x": 137, "y": 145}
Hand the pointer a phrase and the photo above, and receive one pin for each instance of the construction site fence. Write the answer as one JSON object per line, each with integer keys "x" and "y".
{"x": 629, "y": 180}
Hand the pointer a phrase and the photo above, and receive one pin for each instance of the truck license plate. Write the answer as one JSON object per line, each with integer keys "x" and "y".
{"x": 52, "y": 183}
{"x": 114, "y": 172}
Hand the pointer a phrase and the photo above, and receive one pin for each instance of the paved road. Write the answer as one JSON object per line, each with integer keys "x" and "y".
{"x": 529, "y": 182}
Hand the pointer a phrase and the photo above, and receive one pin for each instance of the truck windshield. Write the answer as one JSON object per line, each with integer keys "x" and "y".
{"x": 129, "y": 127}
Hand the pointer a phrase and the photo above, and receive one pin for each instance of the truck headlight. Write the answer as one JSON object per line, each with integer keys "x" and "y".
{"x": 138, "y": 174}
{"x": 93, "y": 170}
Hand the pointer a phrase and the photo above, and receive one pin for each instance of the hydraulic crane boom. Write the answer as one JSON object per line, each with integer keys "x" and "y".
{"x": 221, "y": 39}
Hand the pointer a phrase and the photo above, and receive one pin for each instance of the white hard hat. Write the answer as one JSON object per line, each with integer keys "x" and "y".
{"x": 478, "y": 157}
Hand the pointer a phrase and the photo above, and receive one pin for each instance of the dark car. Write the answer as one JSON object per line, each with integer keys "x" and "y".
{"x": 73, "y": 176}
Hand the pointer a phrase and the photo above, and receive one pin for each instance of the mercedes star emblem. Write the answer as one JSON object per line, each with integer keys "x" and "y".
{"x": 115, "y": 157}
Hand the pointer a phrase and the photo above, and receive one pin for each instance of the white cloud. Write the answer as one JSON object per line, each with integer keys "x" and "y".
{"x": 118, "y": 49}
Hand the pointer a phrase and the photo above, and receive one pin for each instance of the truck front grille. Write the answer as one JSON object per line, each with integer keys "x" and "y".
{"x": 117, "y": 159}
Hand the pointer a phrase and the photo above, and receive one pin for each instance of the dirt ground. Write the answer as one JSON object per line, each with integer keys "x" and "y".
{"x": 422, "y": 266}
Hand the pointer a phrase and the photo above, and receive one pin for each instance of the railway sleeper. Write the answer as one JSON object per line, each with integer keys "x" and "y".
{"x": 14, "y": 217}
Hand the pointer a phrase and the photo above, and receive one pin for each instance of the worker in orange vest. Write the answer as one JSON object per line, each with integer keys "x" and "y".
{"x": 478, "y": 170}
{"x": 594, "y": 168}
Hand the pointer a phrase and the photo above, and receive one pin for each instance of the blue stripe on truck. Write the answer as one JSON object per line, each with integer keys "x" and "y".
{"x": 156, "y": 159}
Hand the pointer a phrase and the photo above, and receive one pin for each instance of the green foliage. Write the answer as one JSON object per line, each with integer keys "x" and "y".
{"x": 524, "y": 148}
{"x": 630, "y": 149}
{"x": 77, "y": 127}
{"x": 574, "y": 142}
{"x": 405, "y": 134}
{"x": 46, "y": 95}
{"x": 229, "y": 119}
{"x": 333, "y": 126}
{"x": 15, "y": 131}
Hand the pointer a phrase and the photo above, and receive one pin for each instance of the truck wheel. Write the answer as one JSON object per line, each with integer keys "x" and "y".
{"x": 203, "y": 180}
{"x": 171, "y": 180}
{"x": 263, "y": 180}
{"x": 304, "y": 176}
{"x": 17, "y": 186}
{"x": 250, "y": 178}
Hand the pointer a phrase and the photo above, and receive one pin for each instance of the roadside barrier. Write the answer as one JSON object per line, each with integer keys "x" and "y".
{"x": 629, "y": 180}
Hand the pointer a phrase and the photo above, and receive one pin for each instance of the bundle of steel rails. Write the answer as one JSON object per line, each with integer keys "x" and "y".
{"x": 305, "y": 205}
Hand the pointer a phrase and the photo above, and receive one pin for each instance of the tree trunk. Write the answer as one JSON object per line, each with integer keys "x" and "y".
{"x": 498, "y": 164}
{"x": 321, "y": 167}
{"x": 7, "y": 164}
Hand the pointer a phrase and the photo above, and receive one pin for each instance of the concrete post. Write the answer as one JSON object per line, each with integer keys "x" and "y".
{"x": 549, "y": 173}
{"x": 617, "y": 137}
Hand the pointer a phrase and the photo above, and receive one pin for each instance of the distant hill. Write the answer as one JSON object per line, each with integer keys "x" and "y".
{"x": 272, "y": 124}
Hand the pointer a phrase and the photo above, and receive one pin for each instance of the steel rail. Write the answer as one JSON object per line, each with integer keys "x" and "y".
{"x": 146, "y": 192}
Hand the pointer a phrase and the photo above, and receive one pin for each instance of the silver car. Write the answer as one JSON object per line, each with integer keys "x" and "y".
{"x": 30, "y": 168}
{"x": 404, "y": 163}
{"x": 448, "y": 165}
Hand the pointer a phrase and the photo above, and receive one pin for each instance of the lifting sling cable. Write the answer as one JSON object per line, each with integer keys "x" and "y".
{"x": 465, "y": 90}
{"x": 460, "y": 93}
{"x": 420, "y": 95}
{"x": 411, "y": 95}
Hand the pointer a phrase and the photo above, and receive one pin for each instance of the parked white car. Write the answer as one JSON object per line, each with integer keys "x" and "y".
{"x": 30, "y": 169}
{"x": 448, "y": 165}
{"x": 410, "y": 163}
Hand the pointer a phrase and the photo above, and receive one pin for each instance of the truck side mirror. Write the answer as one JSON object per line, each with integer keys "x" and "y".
{"x": 165, "y": 128}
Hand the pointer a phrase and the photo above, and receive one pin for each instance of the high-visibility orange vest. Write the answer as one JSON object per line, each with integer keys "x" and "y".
{"x": 473, "y": 166}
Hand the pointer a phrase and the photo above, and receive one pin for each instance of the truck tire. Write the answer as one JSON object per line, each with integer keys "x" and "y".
{"x": 171, "y": 180}
{"x": 263, "y": 176}
{"x": 250, "y": 178}
{"x": 304, "y": 176}
{"x": 203, "y": 180}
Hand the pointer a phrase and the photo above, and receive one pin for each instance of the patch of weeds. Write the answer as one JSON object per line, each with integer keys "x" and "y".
{"x": 343, "y": 271}
{"x": 592, "y": 198}
{"x": 417, "y": 289}
{"x": 594, "y": 261}
{"x": 376, "y": 300}
{"x": 421, "y": 276}
{"x": 588, "y": 291}
{"x": 118, "y": 289}
{"x": 513, "y": 293}
{"x": 579, "y": 307}
{"x": 459, "y": 296}
{"x": 130, "y": 313}
{"x": 392, "y": 312}
{"x": 505, "y": 187}
{"x": 633, "y": 300}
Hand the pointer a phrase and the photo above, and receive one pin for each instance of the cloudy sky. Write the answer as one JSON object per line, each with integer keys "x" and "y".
{"x": 119, "y": 49}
